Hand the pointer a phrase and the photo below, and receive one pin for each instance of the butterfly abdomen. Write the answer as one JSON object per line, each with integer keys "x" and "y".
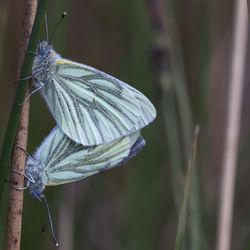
{"x": 135, "y": 149}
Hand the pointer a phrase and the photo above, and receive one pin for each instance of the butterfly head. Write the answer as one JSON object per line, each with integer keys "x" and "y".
{"x": 43, "y": 62}
{"x": 44, "y": 49}
{"x": 36, "y": 188}
{"x": 35, "y": 182}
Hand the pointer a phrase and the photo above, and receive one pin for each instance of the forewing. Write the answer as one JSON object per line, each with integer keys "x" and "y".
{"x": 66, "y": 161}
{"x": 148, "y": 111}
{"x": 92, "y": 107}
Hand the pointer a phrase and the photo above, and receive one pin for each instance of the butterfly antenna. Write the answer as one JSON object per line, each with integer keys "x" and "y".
{"x": 57, "y": 25}
{"x": 50, "y": 220}
{"x": 46, "y": 27}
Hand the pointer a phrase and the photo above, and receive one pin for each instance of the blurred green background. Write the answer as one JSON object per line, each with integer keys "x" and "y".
{"x": 178, "y": 54}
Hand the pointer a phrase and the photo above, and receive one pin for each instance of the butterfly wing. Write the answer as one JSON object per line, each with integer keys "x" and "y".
{"x": 92, "y": 107}
{"x": 66, "y": 161}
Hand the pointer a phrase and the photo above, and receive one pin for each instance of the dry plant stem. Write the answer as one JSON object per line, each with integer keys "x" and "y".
{"x": 233, "y": 125}
{"x": 15, "y": 206}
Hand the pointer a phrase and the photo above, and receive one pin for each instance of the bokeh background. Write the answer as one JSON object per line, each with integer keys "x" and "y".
{"x": 177, "y": 53}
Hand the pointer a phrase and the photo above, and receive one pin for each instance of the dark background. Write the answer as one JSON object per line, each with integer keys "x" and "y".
{"x": 177, "y": 53}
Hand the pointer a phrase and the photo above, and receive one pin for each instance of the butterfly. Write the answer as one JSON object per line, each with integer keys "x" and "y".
{"x": 60, "y": 160}
{"x": 90, "y": 106}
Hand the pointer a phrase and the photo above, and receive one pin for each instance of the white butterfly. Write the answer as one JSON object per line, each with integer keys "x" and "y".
{"x": 60, "y": 160}
{"x": 90, "y": 107}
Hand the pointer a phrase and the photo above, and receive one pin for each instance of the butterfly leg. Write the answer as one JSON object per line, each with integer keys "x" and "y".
{"x": 27, "y": 154}
{"x": 28, "y": 97}
{"x": 29, "y": 178}
{"x": 22, "y": 150}
{"x": 18, "y": 188}
{"x": 25, "y": 78}
{"x": 31, "y": 53}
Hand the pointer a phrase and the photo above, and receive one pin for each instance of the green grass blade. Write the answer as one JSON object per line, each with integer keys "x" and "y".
{"x": 19, "y": 98}
{"x": 181, "y": 230}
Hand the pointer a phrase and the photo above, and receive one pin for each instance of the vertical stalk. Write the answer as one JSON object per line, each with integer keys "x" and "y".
{"x": 232, "y": 133}
{"x": 169, "y": 69}
{"x": 181, "y": 230}
{"x": 13, "y": 122}
{"x": 15, "y": 206}
{"x": 17, "y": 129}
{"x": 162, "y": 66}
